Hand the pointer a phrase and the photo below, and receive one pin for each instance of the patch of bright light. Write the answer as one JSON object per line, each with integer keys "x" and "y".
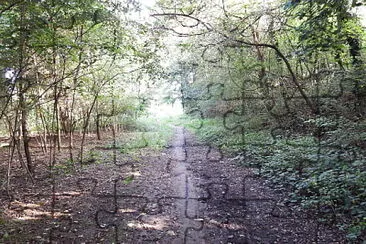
{"x": 360, "y": 11}
{"x": 152, "y": 223}
{"x": 136, "y": 173}
{"x": 147, "y": 3}
{"x": 166, "y": 110}
{"x": 127, "y": 210}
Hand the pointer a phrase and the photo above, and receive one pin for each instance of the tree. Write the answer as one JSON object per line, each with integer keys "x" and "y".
{"x": 328, "y": 26}
{"x": 58, "y": 52}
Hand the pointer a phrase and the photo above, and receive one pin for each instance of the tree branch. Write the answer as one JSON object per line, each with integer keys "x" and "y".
{"x": 243, "y": 42}
{"x": 8, "y": 7}
{"x": 207, "y": 26}
{"x": 288, "y": 66}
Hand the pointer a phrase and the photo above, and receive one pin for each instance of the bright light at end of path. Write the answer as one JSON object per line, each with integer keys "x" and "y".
{"x": 147, "y": 3}
{"x": 166, "y": 110}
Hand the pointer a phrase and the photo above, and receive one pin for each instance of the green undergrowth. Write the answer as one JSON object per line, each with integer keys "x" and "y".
{"x": 152, "y": 133}
{"x": 65, "y": 167}
{"x": 328, "y": 174}
{"x": 147, "y": 133}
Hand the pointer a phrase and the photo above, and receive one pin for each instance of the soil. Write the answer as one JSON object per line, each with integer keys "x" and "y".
{"x": 187, "y": 193}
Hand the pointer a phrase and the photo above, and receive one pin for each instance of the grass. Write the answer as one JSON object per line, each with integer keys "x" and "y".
{"x": 152, "y": 133}
{"x": 147, "y": 133}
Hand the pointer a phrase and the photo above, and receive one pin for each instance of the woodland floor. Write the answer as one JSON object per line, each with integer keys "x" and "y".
{"x": 187, "y": 193}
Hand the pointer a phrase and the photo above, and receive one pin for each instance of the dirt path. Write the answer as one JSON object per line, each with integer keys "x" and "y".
{"x": 189, "y": 193}
{"x": 190, "y": 210}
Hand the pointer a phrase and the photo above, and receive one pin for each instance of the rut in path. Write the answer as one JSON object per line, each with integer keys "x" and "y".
{"x": 189, "y": 212}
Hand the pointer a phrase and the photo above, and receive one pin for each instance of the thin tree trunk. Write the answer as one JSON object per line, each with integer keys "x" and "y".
{"x": 15, "y": 144}
{"x": 75, "y": 82}
{"x": 25, "y": 136}
{"x": 53, "y": 136}
{"x": 44, "y": 132}
{"x": 39, "y": 111}
{"x": 88, "y": 114}
{"x": 71, "y": 130}
{"x": 260, "y": 57}
{"x": 86, "y": 125}
{"x": 22, "y": 87}
{"x": 97, "y": 121}
{"x": 56, "y": 105}
{"x": 98, "y": 127}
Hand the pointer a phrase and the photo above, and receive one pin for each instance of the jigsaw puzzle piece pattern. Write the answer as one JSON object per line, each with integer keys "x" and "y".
{"x": 220, "y": 222}
{"x": 250, "y": 219}
{"x": 128, "y": 218}
{"x": 168, "y": 218}
{"x": 219, "y": 211}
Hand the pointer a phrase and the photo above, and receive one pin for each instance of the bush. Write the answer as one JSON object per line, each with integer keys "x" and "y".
{"x": 325, "y": 171}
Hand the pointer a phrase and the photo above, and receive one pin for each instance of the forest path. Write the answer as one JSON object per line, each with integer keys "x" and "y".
{"x": 226, "y": 203}
{"x": 189, "y": 209}
{"x": 188, "y": 193}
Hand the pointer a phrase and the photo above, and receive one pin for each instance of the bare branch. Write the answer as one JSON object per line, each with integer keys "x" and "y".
{"x": 288, "y": 66}
{"x": 179, "y": 34}
{"x": 199, "y": 21}
{"x": 246, "y": 43}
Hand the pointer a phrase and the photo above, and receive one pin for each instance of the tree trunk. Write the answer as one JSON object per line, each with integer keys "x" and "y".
{"x": 260, "y": 57}
{"x": 98, "y": 127}
{"x": 25, "y": 136}
{"x": 86, "y": 125}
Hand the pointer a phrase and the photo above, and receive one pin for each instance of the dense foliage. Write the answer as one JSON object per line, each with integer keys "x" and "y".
{"x": 281, "y": 86}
